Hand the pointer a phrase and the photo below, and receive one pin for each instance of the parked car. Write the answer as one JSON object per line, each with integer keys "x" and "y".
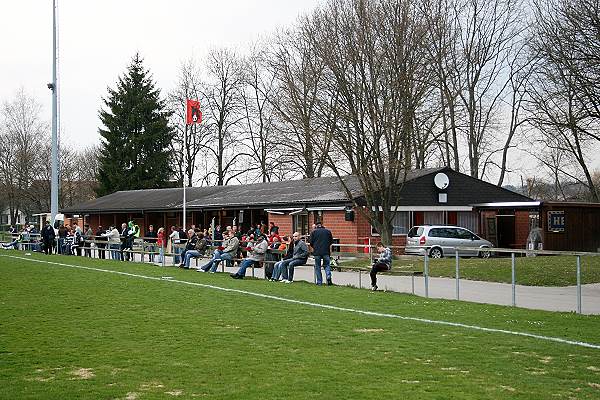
{"x": 441, "y": 240}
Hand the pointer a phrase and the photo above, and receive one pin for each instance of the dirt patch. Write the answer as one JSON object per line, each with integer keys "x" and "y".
{"x": 594, "y": 385}
{"x": 508, "y": 388}
{"x": 546, "y": 360}
{"x": 175, "y": 392}
{"x": 592, "y": 368}
{"x": 40, "y": 379}
{"x": 83, "y": 373}
{"x": 132, "y": 396}
{"x": 151, "y": 386}
{"x": 406, "y": 381}
{"x": 367, "y": 330}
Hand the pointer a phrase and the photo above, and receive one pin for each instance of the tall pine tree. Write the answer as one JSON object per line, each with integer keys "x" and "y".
{"x": 136, "y": 136}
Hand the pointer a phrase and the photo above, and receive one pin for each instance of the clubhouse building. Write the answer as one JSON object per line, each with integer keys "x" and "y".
{"x": 428, "y": 196}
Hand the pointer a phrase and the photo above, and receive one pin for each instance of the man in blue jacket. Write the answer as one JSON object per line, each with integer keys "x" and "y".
{"x": 321, "y": 240}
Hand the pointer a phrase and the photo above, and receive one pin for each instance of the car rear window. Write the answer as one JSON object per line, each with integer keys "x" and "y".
{"x": 415, "y": 231}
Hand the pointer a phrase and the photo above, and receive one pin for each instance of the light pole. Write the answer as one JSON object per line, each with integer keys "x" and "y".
{"x": 54, "y": 87}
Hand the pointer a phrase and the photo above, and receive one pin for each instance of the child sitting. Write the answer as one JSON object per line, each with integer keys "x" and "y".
{"x": 383, "y": 263}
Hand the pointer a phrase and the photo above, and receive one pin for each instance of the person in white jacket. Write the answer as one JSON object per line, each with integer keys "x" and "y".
{"x": 114, "y": 242}
{"x": 256, "y": 254}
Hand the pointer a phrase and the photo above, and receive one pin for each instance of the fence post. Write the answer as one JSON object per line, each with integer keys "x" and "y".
{"x": 359, "y": 279}
{"x": 578, "y": 284}
{"x": 514, "y": 289}
{"x": 457, "y": 274}
{"x": 426, "y": 273}
{"x": 163, "y": 252}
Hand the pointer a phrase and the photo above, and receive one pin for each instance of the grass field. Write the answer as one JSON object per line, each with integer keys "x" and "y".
{"x": 530, "y": 271}
{"x": 69, "y": 333}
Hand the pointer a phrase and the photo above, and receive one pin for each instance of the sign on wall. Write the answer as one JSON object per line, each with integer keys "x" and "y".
{"x": 556, "y": 221}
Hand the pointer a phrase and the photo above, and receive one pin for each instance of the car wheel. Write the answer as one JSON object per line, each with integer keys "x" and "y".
{"x": 436, "y": 252}
{"x": 485, "y": 254}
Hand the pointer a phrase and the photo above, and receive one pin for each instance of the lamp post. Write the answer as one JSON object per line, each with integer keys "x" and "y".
{"x": 54, "y": 87}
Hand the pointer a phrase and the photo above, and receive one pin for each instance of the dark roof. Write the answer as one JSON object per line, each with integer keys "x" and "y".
{"x": 463, "y": 190}
{"x": 418, "y": 190}
{"x": 315, "y": 190}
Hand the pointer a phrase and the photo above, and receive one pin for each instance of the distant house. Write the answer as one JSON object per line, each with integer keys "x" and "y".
{"x": 500, "y": 215}
{"x": 5, "y": 218}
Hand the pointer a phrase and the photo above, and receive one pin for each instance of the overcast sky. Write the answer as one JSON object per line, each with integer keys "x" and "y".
{"x": 98, "y": 38}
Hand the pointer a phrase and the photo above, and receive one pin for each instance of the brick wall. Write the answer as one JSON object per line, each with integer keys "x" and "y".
{"x": 340, "y": 228}
{"x": 348, "y": 232}
{"x": 284, "y": 222}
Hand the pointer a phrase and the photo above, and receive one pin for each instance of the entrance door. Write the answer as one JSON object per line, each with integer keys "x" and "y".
{"x": 506, "y": 231}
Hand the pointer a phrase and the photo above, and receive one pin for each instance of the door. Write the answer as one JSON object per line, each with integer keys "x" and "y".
{"x": 506, "y": 231}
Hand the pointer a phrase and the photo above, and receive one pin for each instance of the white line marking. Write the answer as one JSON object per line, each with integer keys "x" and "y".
{"x": 326, "y": 306}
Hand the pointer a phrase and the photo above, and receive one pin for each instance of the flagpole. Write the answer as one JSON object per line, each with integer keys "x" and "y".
{"x": 184, "y": 162}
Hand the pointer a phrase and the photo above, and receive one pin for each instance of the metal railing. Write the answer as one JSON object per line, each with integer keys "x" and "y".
{"x": 361, "y": 251}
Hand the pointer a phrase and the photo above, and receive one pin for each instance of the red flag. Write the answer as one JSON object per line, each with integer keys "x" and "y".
{"x": 193, "y": 115}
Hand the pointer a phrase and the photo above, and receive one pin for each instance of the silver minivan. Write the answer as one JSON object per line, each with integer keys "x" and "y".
{"x": 441, "y": 240}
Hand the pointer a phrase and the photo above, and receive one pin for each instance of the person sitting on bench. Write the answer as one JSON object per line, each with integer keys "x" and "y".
{"x": 298, "y": 256}
{"x": 189, "y": 245}
{"x": 383, "y": 263}
{"x": 257, "y": 254}
{"x": 226, "y": 251}
{"x": 198, "y": 250}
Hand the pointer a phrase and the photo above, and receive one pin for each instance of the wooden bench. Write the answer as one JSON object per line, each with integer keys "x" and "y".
{"x": 392, "y": 272}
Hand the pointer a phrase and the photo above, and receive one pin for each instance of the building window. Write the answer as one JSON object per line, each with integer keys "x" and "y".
{"x": 300, "y": 222}
{"x": 401, "y": 224}
{"x": 468, "y": 219}
{"x": 433, "y": 218}
{"x": 4, "y": 219}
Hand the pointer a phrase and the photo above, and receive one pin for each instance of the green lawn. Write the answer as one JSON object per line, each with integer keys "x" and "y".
{"x": 69, "y": 333}
{"x": 531, "y": 271}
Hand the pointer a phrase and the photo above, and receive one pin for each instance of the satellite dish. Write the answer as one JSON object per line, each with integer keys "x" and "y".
{"x": 441, "y": 181}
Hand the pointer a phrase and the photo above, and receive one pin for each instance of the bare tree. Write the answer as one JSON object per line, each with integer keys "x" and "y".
{"x": 304, "y": 126}
{"x": 259, "y": 119}
{"x": 560, "y": 104}
{"x": 485, "y": 32}
{"x": 441, "y": 45}
{"x": 224, "y": 114}
{"x": 373, "y": 54}
{"x": 23, "y": 133}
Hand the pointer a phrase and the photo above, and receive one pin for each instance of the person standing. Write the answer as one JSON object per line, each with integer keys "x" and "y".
{"x": 273, "y": 228}
{"x": 114, "y": 242}
{"x": 62, "y": 237}
{"x": 48, "y": 236}
{"x": 161, "y": 243}
{"x": 321, "y": 240}
{"x": 88, "y": 239}
{"x": 100, "y": 242}
{"x": 150, "y": 238}
{"x": 383, "y": 263}
{"x": 175, "y": 240}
